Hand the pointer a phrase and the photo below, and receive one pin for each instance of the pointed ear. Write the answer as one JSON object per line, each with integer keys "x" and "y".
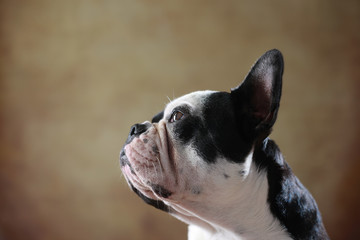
{"x": 256, "y": 100}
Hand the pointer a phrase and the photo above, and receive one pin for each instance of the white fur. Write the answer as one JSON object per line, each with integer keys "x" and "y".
{"x": 232, "y": 208}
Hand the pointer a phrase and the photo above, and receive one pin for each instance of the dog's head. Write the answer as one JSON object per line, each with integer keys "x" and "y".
{"x": 203, "y": 140}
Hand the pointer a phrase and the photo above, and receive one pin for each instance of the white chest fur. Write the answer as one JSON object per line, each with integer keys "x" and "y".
{"x": 235, "y": 208}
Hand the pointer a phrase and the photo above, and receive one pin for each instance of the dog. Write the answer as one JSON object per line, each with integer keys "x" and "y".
{"x": 207, "y": 160}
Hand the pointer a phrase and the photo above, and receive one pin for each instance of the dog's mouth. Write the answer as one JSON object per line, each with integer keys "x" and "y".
{"x": 125, "y": 164}
{"x": 141, "y": 165}
{"x": 132, "y": 179}
{"x": 136, "y": 182}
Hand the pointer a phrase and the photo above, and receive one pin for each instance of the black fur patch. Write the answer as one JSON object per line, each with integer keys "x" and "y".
{"x": 161, "y": 191}
{"x": 215, "y": 133}
{"x": 196, "y": 190}
{"x": 289, "y": 200}
{"x": 157, "y": 117}
{"x": 123, "y": 158}
{"x": 223, "y": 129}
{"x": 257, "y": 98}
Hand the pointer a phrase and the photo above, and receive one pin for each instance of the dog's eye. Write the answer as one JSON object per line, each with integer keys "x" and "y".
{"x": 176, "y": 116}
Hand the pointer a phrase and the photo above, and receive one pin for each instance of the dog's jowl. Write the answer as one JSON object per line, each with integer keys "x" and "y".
{"x": 207, "y": 160}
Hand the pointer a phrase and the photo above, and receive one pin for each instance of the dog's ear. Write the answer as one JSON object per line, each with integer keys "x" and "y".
{"x": 256, "y": 100}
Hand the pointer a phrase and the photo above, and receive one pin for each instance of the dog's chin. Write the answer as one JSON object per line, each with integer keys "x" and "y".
{"x": 136, "y": 184}
{"x": 141, "y": 177}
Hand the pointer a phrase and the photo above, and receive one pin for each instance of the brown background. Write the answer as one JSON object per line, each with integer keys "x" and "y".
{"x": 76, "y": 74}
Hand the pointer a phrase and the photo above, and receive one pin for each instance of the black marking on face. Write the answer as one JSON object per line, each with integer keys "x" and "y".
{"x": 155, "y": 149}
{"x": 196, "y": 190}
{"x": 215, "y": 133}
{"x": 185, "y": 128}
{"x": 125, "y": 161}
{"x": 226, "y": 176}
{"x": 221, "y": 121}
{"x": 161, "y": 191}
{"x": 157, "y": 117}
{"x": 145, "y": 140}
{"x": 123, "y": 158}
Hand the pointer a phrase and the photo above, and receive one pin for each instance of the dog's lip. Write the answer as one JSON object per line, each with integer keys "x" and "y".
{"x": 127, "y": 169}
{"x": 125, "y": 163}
{"x": 134, "y": 181}
{"x": 123, "y": 158}
{"x": 129, "y": 164}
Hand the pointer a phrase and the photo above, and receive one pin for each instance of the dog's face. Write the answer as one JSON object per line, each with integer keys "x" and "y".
{"x": 177, "y": 156}
{"x": 200, "y": 146}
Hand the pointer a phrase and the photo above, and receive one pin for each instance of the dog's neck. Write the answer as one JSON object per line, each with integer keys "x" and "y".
{"x": 238, "y": 211}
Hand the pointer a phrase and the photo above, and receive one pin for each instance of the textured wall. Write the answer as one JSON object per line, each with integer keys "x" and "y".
{"x": 76, "y": 74}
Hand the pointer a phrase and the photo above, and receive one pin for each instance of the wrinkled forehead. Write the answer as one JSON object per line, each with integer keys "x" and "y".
{"x": 195, "y": 100}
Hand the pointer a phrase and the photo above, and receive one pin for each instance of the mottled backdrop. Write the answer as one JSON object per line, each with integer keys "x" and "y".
{"x": 75, "y": 75}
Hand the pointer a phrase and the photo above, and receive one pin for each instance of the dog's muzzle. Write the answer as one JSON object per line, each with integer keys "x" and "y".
{"x": 135, "y": 131}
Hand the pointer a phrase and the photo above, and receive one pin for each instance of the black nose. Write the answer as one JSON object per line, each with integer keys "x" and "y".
{"x": 136, "y": 130}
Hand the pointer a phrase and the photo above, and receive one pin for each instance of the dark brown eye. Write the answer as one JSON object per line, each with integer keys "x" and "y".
{"x": 176, "y": 116}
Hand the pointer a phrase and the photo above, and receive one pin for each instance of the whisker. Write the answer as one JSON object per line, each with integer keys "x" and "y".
{"x": 173, "y": 93}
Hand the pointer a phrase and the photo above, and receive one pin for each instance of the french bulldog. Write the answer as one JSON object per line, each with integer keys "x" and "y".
{"x": 207, "y": 160}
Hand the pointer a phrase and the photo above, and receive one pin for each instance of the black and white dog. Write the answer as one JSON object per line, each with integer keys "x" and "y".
{"x": 207, "y": 160}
